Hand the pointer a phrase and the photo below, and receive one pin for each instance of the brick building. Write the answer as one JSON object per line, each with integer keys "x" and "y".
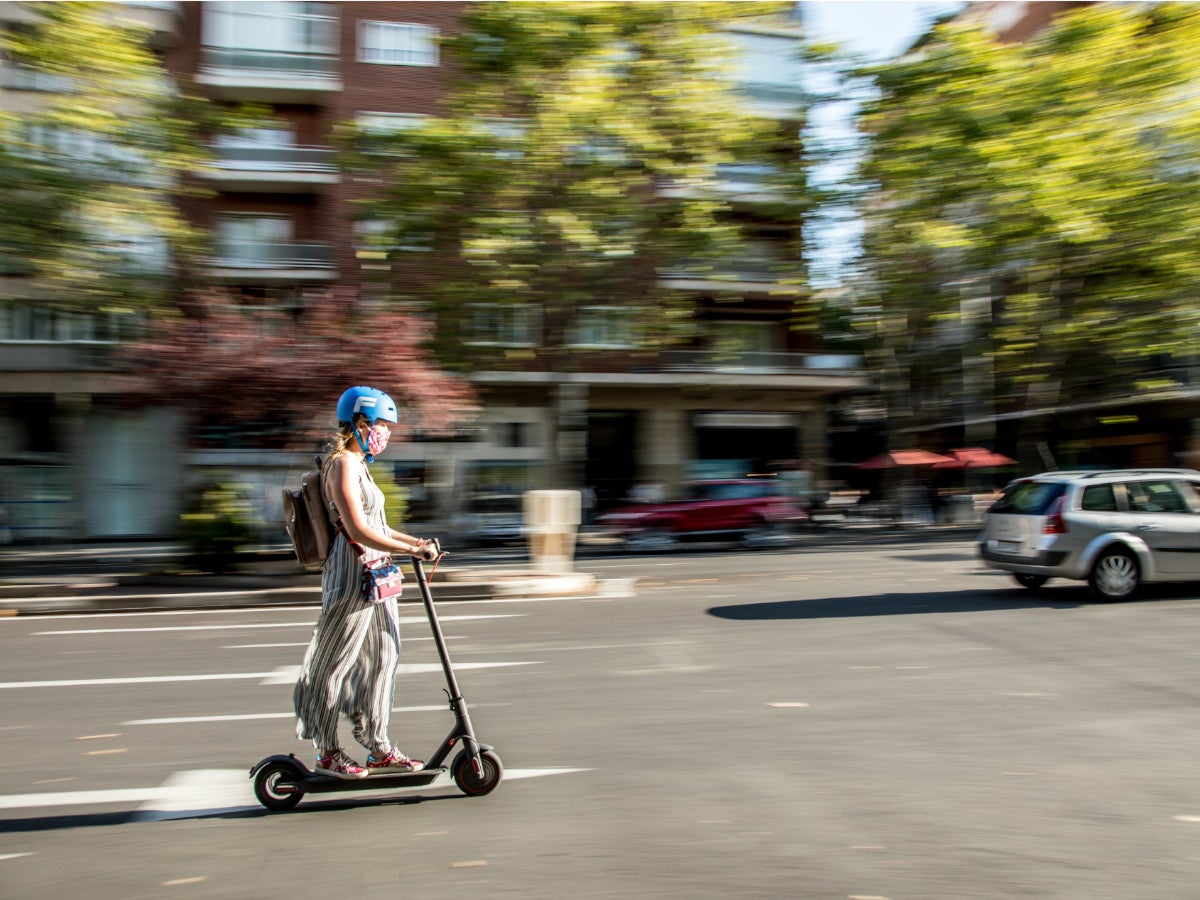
{"x": 748, "y": 393}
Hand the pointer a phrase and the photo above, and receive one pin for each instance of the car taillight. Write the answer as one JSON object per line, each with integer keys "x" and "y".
{"x": 1055, "y": 524}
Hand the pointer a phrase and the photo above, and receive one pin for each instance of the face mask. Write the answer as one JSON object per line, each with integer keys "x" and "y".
{"x": 377, "y": 440}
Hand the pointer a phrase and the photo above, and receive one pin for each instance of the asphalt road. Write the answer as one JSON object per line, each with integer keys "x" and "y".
{"x": 875, "y": 721}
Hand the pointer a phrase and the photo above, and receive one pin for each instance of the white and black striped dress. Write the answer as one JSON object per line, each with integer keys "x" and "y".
{"x": 350, "y": 664}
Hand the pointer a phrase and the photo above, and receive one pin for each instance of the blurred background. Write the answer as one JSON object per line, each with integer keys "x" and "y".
{"x": 606, "y": 247}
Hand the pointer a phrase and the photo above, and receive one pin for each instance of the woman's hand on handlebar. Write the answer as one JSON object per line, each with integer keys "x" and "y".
{"x": 427, "y": 549}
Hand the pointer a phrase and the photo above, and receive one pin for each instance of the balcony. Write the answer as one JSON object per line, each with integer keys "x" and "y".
{"x": 818, "y": 374}
{"x": 273, "y": 76}
{"x": 279, "y": 261}
{"x": 746, "y": 273}
{"x": 163, "y": 17}
{"x": 736, "y": 183}
{"x": 762, "y": 363}
{"x": 272, "y": 170}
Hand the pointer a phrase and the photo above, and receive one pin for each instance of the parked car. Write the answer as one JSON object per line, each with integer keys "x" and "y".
{"x": 760, "y": 512}
{"x": 490, "y": 520}
{"x": 1116, "y": 529}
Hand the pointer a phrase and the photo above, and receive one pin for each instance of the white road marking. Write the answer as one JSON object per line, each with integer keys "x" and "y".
{"x": 193, "y": 720}
{"x": 281, "y": 675}
{"x": 289, "y": 674}
{"x": 147, "y": 679}
{"x": 404, "y": 620}
{"x": 78, "y": 798}
{"x": 4, "y": 856}
{"x": 407, "y": 639}
{"x": 201, "y": 792}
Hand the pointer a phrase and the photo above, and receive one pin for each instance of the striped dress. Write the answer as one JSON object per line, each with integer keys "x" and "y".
{"x": 350, "y": 664}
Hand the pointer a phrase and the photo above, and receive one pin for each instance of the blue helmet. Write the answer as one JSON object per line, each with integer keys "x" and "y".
{"x": 371, "y": 403}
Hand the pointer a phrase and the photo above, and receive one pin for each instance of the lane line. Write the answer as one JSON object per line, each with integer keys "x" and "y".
{"x": 281, "y": 675}
{"x": 248, "y": 717}
{"x": 145, "y": 679}
{"x": 289, "y": 674}
{"x": 404, "y": 620}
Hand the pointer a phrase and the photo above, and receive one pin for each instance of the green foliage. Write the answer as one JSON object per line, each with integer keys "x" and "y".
{"x": 395, "y": 496}
{"x": 1055, "y": 182}
{"x": 577, "y": 158}
{"x": 220, "y": 519}
{"x": 89, "y": 171}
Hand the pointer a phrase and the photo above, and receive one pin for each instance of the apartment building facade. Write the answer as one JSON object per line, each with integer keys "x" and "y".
{"x": 747, "y": 395}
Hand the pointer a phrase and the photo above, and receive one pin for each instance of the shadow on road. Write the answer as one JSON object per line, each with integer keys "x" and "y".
{"x": 896, "y": 604}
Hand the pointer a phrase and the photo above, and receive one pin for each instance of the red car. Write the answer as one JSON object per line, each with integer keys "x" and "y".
{"x": 760, "y": 512}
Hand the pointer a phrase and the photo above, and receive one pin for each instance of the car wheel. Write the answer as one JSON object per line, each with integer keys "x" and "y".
{"x": 762, "y": 535}
{"x": 652, "y": 540}
{"x": 1115, "y": 575}
{"x": 1033, "y": 582}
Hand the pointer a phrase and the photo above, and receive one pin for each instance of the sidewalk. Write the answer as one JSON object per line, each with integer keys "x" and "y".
{"x": 131, "y": 577}
{"x": 135, "y": 577}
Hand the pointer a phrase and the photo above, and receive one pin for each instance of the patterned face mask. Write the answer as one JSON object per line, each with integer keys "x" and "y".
{"x": 377, "y": 440}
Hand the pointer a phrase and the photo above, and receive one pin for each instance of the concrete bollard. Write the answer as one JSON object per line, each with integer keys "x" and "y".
{"x": 551, "y": 523}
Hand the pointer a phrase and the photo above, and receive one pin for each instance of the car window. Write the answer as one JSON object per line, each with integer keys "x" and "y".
{"x": 1156, "y": 497}
{"x": 1191, "y": 493}
{"x": 1099, "y": 498}
{"x": 1029, "y": 498}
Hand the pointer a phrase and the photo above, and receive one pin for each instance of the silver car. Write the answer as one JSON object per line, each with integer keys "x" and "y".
{"x": 1114, "y": 528}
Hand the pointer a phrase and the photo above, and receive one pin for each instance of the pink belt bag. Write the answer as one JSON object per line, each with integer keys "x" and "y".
{"x": 381, "y": 580}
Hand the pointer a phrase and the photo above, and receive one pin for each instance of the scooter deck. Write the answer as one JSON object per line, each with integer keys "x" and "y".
{"x": 315, "y": 783}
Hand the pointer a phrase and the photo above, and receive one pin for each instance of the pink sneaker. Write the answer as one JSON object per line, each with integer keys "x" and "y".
{"x": 339, "y": 765}
{"x": 393, "y": 761}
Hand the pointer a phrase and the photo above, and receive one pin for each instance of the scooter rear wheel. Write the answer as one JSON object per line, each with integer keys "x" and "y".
{"x": 275, "y": 786}
{"x": 472, "y": 784}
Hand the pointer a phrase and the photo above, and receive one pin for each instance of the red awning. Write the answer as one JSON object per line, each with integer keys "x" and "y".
{"x": 975, "y": 458}
{"x": 895, "y": 458}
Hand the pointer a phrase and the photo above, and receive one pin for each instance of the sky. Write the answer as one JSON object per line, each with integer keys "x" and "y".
{"x": 876, "y": 29}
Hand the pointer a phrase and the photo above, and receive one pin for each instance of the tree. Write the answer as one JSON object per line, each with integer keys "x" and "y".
{"x": 577, "y": 160}
{"x": 261, "y": 379}
{"x": 89, "y": 175}
{"x": 1050, "y": 186}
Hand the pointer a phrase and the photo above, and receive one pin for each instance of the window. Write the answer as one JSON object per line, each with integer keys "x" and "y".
{"x": 1099, "y": 498}
{"x": 746, "y": 337}
{"x": 397, "y": 44}
{"x": 277, "y": 136}
{"x": 609, "y": 327}
{"x": 501, "y": 324}
{"x": 251, "y": 239}
{"x": 1155, "y": 497}
{"x": 271, "y": 27}
{"x": 1030, "y": 498}
{"x": 514, "y": 435}
{"x": 385, "y": 123}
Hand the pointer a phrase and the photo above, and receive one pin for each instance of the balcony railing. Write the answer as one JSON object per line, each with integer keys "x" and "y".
{"x": 758, "y": 362}
{"x": 271, "y": 62}
{"x": 741, "y": 269}
{"x": 314, "y": 160}
{"x": 274, "y": 255}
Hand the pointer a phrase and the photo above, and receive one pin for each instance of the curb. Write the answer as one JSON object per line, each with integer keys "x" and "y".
{"x": 182, "y": 601}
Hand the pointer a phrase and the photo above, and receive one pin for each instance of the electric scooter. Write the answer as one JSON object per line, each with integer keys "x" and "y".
{"x": 281, "y": 781}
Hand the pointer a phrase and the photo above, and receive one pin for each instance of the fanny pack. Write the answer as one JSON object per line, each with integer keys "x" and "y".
{"x": 381, "y": 580}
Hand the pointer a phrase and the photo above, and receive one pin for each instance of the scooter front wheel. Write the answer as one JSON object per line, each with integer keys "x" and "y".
{"x": 475, "y": 784}
{"x": 275, "y": 786}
